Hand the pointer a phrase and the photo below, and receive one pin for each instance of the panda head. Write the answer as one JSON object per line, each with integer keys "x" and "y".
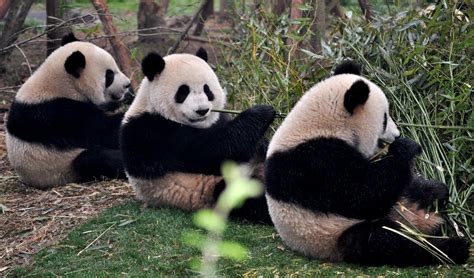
{"x": 346, "y": 106}
{"x": 77, "y": 70}
{"x": 182, "y": 88}
{"x": 92, "y": 71}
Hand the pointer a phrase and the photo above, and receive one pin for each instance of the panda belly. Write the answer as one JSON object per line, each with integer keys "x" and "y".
{"x": 178, "y": 190}
{"x": 39, "y": 166}
{"x": 312, "y": 233}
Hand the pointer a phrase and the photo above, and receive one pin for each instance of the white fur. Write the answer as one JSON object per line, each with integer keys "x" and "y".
{"x": 51, "y": 80}
{"x": 158, "y": 95}
{"x": 321, "y": 113}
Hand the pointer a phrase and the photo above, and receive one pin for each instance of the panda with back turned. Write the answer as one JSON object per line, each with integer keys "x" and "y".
{"x": 329, "y": 201}
{"x": 57, "y": 129}
{"x": 173, "y": 144}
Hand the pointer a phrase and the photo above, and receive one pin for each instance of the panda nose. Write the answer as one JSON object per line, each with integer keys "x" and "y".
{"x": 202, "y": 112}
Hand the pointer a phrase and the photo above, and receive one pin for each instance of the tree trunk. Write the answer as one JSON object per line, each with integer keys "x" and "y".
{"x": 149, "y": 15}
{"x": 4, "y": 4}
{"x": 224, "y": 6}
{"x": 53, "y": 13}
{"x": 164, "y": 6}
{"x": 295, "y": 14}
{"x": 280, "y": 6}
{"x": 206, "y": 12}
{"x": 366, "y": 9}
{"x": 335, "y": 8}
{"x": 319, "y": 25}
{"x": 13, "y": 22}
{"x": 121, "y": 52}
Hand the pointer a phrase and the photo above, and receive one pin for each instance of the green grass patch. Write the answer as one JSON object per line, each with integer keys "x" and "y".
{"x": 127, "y": 240}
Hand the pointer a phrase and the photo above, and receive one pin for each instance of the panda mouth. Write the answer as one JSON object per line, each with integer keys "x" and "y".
{"x": 196, "y": 120}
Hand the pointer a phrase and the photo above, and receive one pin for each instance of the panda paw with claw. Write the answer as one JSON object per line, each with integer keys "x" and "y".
{"x": 405, "y": 148}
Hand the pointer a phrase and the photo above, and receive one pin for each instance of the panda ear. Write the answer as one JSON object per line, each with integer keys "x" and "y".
{"x": 68, "y": 38}
{"x": 348, "y": 67}
{"x": 75, "y": 63}
{"x": 357, "y": 95}
{"x": 152, "y": 65}
{"x": 202, "y": 53}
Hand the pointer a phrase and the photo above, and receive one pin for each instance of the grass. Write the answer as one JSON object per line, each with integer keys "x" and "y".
{"x": 148, "y": 243}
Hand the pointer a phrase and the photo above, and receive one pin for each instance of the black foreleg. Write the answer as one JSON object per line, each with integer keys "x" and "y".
{"x": 96, "y": 164}
{"x": 368, "y": 243}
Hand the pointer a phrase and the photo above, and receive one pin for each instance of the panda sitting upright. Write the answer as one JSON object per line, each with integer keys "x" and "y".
{"x": 57, "y": 129}
{"x": 329, "y": 201}
{"x": 174, "y": 144}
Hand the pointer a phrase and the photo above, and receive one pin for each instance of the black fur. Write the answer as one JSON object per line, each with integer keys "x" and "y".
{"x": 357, "y": 95}
{"x": 348, "y": 67}
{"x": 328, "y": 175}
{"x": 181, "y": 94}
{"x": 426, "y": 192}
{"x": 152, "y": 65}
{"x": 97, "y": 163}
{"x": 109, "y": 78}
{"x": 75, "y": 63}
{"x": 68, "y": 38}
{"x": 253, "y": 210}
{"x": 202, "y": 53}
{"x": 368, "y": 243}
{"x": 153, "y": 146}
{"x": 64, "y": 124}
{"x": 208, "y": 92}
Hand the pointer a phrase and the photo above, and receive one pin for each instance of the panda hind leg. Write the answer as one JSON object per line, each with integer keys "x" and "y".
{"x": 95, "y": 164}
{"x": 368, "y": 243}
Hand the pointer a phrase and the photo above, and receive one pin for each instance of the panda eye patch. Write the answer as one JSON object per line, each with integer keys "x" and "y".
{"x": 208, "y": 92}
{"x": 181, "y": 94}
{"x": 109, "y": 78}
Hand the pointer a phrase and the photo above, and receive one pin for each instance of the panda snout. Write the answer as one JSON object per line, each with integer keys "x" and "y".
{"x": 115, "y": 97}
{"x": 202, "y": 112}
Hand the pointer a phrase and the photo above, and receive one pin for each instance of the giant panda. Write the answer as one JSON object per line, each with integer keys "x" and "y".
{"x": 173, "y": 144}
{"x": 327, "y": 199}
{"x": 58, "y": 129}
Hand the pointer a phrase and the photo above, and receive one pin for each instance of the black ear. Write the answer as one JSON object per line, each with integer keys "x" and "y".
{"x": 152, "y": 65}
{"x": 357, "y": 95}
{"x": 68, "y": 38}
{"x": 202, "y": 53}
{"x": 75, "y": 63}
{"x": 348, "y": 67}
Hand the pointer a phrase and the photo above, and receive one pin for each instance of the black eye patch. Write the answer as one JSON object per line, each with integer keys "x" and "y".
{"x": 109, "y": 78}
{"x": 181, "y": 94}
{"x": 384, "y": 121}
{"x": 208, "y": 92}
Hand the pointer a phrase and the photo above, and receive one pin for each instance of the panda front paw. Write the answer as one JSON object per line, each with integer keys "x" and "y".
{"x": 264, "y": 113}
{"x": 405, "y": 148}
{"x": 426, "y": 192}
